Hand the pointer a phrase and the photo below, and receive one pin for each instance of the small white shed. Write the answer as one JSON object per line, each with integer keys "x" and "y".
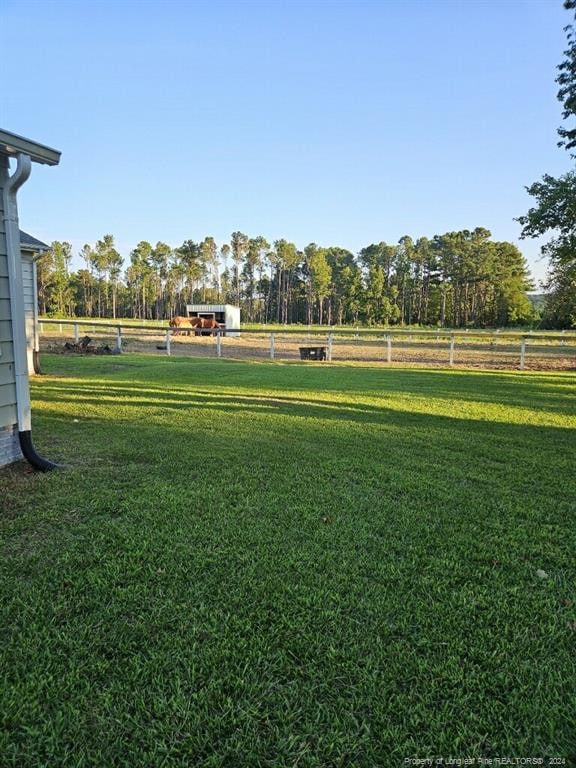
{"x": 226, "y": 314}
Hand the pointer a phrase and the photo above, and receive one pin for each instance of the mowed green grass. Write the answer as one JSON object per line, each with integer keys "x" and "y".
{"x": 258, "y": 564}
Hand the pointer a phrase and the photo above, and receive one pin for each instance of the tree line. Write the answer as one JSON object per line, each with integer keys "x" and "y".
{"x": 554, "y": 211}
{"x": 456, "y": 279}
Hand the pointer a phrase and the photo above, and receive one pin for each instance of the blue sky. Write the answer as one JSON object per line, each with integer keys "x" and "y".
{"x": 343, "y": 123}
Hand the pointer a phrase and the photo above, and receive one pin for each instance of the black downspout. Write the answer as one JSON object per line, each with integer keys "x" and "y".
{"x": 29, "y": 453}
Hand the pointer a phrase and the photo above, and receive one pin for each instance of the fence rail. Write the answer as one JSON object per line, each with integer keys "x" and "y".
{"x": 440, "y": 347}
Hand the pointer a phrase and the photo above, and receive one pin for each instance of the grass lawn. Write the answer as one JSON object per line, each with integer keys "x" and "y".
{"x": 257, "y": 564}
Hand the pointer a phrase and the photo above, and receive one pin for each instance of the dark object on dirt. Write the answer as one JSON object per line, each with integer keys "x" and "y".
{"x": 104, "y": 349}
{"x": 86, "y": 347}
{"x": 82, "y": 345}
{"x": 312, "y": 353}
{"x": 161, "y": 346}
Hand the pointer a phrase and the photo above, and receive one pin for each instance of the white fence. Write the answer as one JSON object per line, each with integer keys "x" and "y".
{"x": 483, "y": 349}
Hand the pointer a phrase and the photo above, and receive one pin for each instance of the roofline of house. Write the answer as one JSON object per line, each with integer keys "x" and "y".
{"x": 13, "y": 145}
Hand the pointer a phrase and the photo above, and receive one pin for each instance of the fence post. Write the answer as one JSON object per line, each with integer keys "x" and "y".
{"x": 522, "y": 354}
{"x": 330, "y": 339}
{"x": 76, "y": 333}
{"x": 118, "y": 338}
{"x": 41, "y": 327}
{"x": 452, "y": 350}
{"x": 168, "y": 342}
{"x": 218, "y": 344}
{"x": 60, "y": 328}
{"x": 388, "y": 348}
{"x": 271, "y": 346}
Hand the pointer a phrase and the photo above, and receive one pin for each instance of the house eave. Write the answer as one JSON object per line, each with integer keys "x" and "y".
{"x": 13, "y": 145}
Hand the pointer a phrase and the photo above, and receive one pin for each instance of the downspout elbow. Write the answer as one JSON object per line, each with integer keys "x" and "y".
{"x": 31, "y": 455}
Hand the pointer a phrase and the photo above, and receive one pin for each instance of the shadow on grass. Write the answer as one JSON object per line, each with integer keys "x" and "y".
{"x": 179, "y": 436}
{"x": 550, "y": 393}
{"x": 132, "y": 396}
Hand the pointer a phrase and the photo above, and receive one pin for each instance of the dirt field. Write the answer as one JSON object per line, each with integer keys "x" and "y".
{"x": 475, "y": 352}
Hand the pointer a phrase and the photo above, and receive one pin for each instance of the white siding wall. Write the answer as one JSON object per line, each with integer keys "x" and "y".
{"x": 9, "y": 447}
{"x": 232, "y": 317}
{"x": 29, "y": 307}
